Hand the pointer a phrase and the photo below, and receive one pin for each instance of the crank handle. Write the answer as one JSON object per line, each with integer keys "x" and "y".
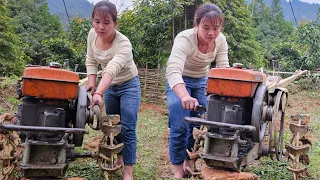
{"x": 200, "y": 107}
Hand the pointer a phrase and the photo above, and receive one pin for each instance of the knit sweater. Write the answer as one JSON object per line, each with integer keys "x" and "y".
{"x": 116, "y": 61}
{"x": 187, "y": 60}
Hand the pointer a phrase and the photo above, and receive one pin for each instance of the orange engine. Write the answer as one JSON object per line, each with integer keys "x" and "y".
{"x": 50, "y": 83}
{"x": 234, "y": 82}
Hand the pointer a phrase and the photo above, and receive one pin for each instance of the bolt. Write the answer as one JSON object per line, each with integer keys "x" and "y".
{"x": 228, "y": 154}
{"x": 53, "y": 161}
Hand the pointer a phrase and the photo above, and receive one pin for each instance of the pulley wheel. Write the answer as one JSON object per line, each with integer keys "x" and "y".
{"x": 277, "y": 127}
{"x": 259, "y": 101}
{"x": 82, "y": 105}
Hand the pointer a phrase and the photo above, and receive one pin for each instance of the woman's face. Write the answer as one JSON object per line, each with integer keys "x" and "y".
{"x": 104, "y": 27}
{"x": 208, "y": 29}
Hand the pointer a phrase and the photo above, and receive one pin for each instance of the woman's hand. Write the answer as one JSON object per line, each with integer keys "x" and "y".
{"x": 189, "y": 103}
{"x": 91, "y": 88}
{"x": 96, "y": 100}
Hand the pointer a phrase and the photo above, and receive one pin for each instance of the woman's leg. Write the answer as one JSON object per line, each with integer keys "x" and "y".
{"x": 198, "y": 91}
{"x": 129, "y": 93}
{"x": 178, "y": 132}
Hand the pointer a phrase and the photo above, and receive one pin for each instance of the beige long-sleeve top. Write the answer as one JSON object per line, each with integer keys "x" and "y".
{"x": 116, "y": 61}
{"x": 187, "y": 60}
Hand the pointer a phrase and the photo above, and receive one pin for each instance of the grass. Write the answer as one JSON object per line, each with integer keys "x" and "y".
{"x": 270, "y": 170}
{"x": 150, "y": 123}
{"x": 150, "y": 130}
{"x": 314, "y": 167}
{"x": 274, "y": 170}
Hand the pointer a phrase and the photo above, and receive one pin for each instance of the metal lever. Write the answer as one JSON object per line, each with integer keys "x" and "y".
{"x": 200, "y": 107}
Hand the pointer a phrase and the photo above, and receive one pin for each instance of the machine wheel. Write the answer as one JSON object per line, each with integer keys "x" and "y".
{"x": 276, "y": 130}
{"x": 81, "y": 115}
{"x": 259, "y": 101}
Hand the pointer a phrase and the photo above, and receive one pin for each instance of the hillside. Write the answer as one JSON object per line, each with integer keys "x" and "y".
{"x": 302, "y": 10}
{"x": 83, "y": 8}
{"x": 80, "y": 8}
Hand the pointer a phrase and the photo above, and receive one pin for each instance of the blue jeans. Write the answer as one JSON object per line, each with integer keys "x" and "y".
{"x": 181, "y": 137}
{"x": 124, "y": 99}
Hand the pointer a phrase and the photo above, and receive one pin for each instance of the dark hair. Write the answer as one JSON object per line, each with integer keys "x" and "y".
{"x": 211, "y": 11}
{"x": 104, "y": 8}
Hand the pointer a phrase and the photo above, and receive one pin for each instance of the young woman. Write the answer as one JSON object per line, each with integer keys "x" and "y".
{"x": 120, "y": 85}
{"x": 192, "y": 53}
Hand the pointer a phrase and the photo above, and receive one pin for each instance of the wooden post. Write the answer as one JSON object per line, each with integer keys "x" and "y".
{"x": 145, "y": 79}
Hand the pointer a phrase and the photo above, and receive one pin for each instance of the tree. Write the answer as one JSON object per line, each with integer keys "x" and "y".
{"x": 12, "y": 58}
{"x": 34, "y": 23}
{"x": 273, "y": 31}
{"x": 240, "y": 33}
{"x": 309, "y": 40}
{"x": 149, "y": 28}
{"x": 77, "y": 34}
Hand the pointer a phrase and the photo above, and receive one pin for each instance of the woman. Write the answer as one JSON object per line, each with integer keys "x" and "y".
{"x": 192, "y": 53}
{"x": 120, "y": 85}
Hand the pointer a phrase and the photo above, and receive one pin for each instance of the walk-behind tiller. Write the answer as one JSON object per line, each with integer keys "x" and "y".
{"x": 51, "y": 119}
{"x": 244, "y": 118}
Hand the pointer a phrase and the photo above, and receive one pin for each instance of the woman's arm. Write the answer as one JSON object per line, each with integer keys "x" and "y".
{"x": 188, "y": 102}
{"x": 182, "y": 47}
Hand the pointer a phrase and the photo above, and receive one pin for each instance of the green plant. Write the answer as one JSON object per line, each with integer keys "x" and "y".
{"x": 13, "y": 101}
{"x": 8, "y": 81}
{"x": 271, "y": 170}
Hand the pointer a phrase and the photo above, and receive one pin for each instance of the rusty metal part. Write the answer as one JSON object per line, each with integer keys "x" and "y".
{"x": 298, "y": 147}
{"x": 199, "y": 136}
{"x": 109, "y": 147}
{"x": 10, "y": 153}
{"x": 195, "y": 120}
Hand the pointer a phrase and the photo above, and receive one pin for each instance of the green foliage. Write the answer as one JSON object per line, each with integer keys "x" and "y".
{"x": 288, "y": 55}
{"x": 12, "y": 58}
{"x": 77, "y": 34}
{"x": 274, "y": 34}
{"x": 148, "y": 28}
{"x": 8, "y": 81}
{"x": 34, "y": 24}
{"x": 315, "y": 150}
{"x": 309, "y": 39}
{"x": 85, "y": 169}
{"x": 13, "y": 101}
{"x": 240, "y": 34}
{"x": 271, "y": 170}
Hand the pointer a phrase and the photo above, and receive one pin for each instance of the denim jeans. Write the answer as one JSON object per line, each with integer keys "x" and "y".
{"x": 181, "y": 137}
{"x": 124, "y": 99}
